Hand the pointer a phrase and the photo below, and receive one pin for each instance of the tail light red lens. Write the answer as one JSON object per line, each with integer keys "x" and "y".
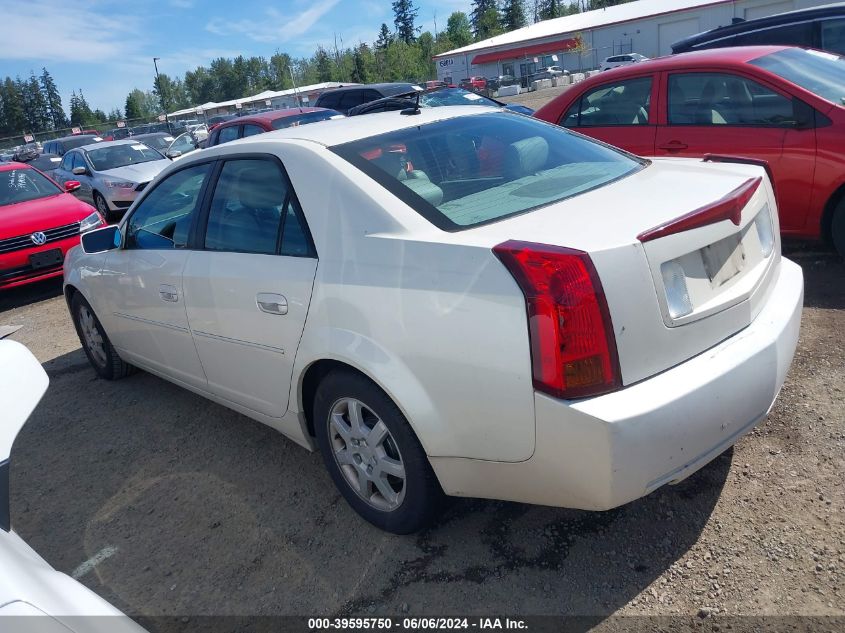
{"x": 573, "y": 350}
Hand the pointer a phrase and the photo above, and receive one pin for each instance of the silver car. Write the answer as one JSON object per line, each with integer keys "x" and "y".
{"x": 111, "y": 173}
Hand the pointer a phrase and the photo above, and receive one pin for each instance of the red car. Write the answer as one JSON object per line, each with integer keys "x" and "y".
{"x": 39, "y": 223}
{"x": 266, "y": 122}
{"x": 781, "y": 105}
{"x": 474, "y": 83}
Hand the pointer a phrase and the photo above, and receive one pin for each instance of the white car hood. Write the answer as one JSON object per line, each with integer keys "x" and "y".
{"x": 141, "y": 172}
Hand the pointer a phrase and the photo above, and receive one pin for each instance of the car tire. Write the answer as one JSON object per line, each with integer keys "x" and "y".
{"x": 103, "y": 207}
{"x": 96, "y": 344}
{"x": 365, "y": 467}
{"x": 837, "y": 229}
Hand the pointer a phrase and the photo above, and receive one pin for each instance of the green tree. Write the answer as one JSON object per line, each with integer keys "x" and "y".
{"x": 384, "y": 38}
{"x": 34, "y": 105}
{"x": 363, "y": 64}
{"x": 459, "y": 29}
{"x": 404, "y": 14}
{"x": 323, "y": 65}
{"x": 200, "y": 86}
{"x": 484, "y": 18}
{"x": 426, "y": 47}
{"x": 13, "y": 113}
{"x": 513, "y": 15}
{"x": 280, "y": 65}
{"x": 55, "y": 109}
{"x": 135, "y": 107}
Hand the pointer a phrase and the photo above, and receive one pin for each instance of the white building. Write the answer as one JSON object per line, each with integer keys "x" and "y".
{"x": 648, "y": 27}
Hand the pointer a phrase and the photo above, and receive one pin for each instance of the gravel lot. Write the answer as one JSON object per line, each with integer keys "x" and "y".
{"x": 207, "y": 512}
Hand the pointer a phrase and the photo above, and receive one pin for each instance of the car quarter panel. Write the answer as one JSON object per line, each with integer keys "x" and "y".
{"x": 436, "y": 321}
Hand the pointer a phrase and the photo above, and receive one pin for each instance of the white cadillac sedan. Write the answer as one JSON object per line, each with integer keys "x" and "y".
{"x": 455, "y": 300}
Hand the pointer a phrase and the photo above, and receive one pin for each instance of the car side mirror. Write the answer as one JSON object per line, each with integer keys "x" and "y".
{"x": 79, "y": 171}
{"x": 72, "y": 185}
{"x": 101, "y": 240}
{"x": 174, "y": 153}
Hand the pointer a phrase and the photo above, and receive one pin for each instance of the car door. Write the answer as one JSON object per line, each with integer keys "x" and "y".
{"x": 86, "y": 187}
{"x": 620, "y": 112}
{"x": 729, "y": 114}
{"x": 249, "y": 287}
{"x": 142, "y": 298}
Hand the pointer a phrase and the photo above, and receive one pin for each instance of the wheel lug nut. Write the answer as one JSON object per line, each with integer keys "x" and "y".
{"x": 369, "y": 470}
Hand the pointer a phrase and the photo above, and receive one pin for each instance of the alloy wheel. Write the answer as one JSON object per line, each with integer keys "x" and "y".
{"x": 367, "y": 454}
{"x": 91, "y": 334}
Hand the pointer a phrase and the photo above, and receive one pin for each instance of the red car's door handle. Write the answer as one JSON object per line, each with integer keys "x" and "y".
{"x": 673, "y": 146}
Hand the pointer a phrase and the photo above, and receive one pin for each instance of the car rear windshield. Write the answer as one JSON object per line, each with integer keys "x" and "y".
{"x": 22, "y": 185}
{"x": 821, "y": 73}
{"x": 472, "y": 170}
{"x": 105, "y": 158}
{"x": 304, "y": 118}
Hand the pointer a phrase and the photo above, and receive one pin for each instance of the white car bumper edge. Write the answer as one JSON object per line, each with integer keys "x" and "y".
{"x": 603, "y": 452}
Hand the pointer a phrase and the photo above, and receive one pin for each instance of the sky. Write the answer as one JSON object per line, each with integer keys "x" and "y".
{"x": 106, "y": 47}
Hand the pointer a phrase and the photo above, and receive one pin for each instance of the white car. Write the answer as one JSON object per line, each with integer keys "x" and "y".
{"x": 622, "y": 60}
{"x": 455, "y": 300}
{"x": 28, "y": 585}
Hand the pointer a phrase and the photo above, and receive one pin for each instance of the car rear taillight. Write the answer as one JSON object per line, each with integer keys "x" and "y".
{"x": 573, "y": 351}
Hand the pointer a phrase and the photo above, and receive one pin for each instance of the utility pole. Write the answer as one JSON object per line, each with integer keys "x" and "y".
{"x": 160, "y": 92}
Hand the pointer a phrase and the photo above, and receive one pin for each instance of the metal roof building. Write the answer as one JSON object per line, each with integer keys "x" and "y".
{"x": 581, "y": 41}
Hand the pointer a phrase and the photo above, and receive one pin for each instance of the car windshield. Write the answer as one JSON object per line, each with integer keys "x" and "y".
{"x": 471, "y": 170}
{"x": 106, "y": 158}
{"x": 157, "y": 142}
{"x": 821, "y": 73}
{"x": 21, "y": 185}
{"x": 453, "y": 96}
{"x": 304, "y": 118}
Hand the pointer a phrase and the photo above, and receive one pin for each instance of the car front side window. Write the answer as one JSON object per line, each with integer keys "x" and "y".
{"x": 227, "y": 134}
{"x": 253, "y": 210}
{"x": 620, "y": 103}
{"x": 163, "y": 218}
{"x": 726, "y": 99}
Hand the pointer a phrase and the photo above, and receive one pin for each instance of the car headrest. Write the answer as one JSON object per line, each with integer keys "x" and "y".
{"x": 418, "y": 182}
{"x": 258, "y": 189}
{"x": 526, "y": 157}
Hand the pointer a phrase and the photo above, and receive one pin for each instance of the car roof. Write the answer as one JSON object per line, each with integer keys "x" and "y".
{"x": 71, "y": 137}
{"x": 379, "y": 86}
{"x": 147, "y": 135}
{"x": 272, "y": 115}
{"x": 123, "y": 141}
{"x": 339, "y": 131}
{"x": 788, "y": 17}
{"x": 10, "y": 165}
{"x": 729, "y": 56}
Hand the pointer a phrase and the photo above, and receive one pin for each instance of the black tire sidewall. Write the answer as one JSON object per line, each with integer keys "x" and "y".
{"x": 837, "y": 229}
{"x": 106, "y": 371}
{"x": 106, "y": 212}
{"x": 422, "y": 492}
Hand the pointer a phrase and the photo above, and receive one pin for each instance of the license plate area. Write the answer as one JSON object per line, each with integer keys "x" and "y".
{"x": 46, "y": 259}
{"x": 723, "y": 260}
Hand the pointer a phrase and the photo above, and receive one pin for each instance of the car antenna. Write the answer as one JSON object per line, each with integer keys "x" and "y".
{"x": 295, "y": 89}
{"x": 415, "y": 109}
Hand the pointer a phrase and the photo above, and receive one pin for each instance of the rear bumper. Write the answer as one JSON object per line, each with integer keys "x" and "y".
{"x": 603, "y": 452}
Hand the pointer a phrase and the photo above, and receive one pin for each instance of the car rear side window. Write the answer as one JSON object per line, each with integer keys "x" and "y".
{"x": 227, "y": 134}
{"x": 351, "y": 98}
{"x": 163, "y": 218}
{"x": 253, "y": 210}
{"x": 726, "y": 99}
{"x": 833, "y": 35}
{"x": 472, "y": 170}
{"x": 252, "y": 130}
{"x": 618, "y": 103}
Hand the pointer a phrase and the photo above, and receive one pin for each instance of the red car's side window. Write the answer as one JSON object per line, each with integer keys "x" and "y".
{"x": 626, "y": 102}
{"x": 726, "y": 99}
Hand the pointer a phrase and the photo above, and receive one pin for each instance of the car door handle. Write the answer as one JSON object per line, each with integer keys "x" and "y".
{"x": 271, "y": 303}
{"x": 168, "y": 293}
{"x": 673, "y": 146}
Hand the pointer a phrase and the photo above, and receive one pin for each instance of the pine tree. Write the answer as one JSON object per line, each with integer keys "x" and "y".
{"x": 134, "y": 105}
{"x": 513, "y": 15}
{"x": 80, "y": 111}
{"x": 484, "y": 24}
{"x": 13, "y": 107}
{"x": 384, "y": 38}
{"x": 405, "y": 13}
{"x": 323, "y": 64}
{"x": 51, "y": 94}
